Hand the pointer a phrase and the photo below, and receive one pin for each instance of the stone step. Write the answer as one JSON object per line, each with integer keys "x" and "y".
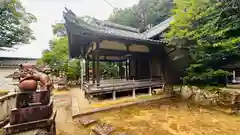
{"x": 75, "y": 107}
{"x": 85, "y": 120}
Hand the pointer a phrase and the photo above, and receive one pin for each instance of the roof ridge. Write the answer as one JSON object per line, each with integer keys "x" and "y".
{"x": 120, "y": 26}
{"x": 158, "y": 29}
{"x": 104, "y": 23}
{"x": 160, "y": 24}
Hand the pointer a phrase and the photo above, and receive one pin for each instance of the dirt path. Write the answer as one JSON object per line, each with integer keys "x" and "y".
{"x": 64, "y": 122}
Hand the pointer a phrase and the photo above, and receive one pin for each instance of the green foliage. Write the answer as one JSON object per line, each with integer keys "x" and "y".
{"x": 126, "y": 17}
{"x": 56, "y": 57}
{"x": 59, "y": 29}
{"x": 73, "y": 70}
{"x": 14, "y": 24}
{"x": 211, "y": 32}
{"x": 110, "y": 69}
{"x": 144, "y": 13}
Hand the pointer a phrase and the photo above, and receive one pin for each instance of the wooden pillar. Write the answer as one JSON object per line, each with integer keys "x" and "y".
{"x": 86, "y": 70}
{"x": 150, "y": 69}
{"x": 126, "y": 69}
{"x": 150, "y": 90}
{"x": 93, "y": 69}
{"x": 98, "y": 64}
{"x": 120, "y": 70}
{"x": 98, "y": 69}
{"x": 82, "y": 71}
{"x": 114, "y": 95}
{"x": 134, "y": 93}
{"x": 234, "y": 77}
{"x": 129, "y": 68}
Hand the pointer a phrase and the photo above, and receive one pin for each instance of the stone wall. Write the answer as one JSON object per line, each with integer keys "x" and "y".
{"x": 7, "y": 103}
{"x": 218, "y": 96}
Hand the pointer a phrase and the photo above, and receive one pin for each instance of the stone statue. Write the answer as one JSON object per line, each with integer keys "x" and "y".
{"x": 29, "y": 75}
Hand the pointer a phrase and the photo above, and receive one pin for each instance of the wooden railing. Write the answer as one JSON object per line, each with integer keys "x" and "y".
{"x": 115, "y": 85}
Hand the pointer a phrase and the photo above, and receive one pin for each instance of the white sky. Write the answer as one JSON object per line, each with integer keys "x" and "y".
{"x": 50, "y": 11}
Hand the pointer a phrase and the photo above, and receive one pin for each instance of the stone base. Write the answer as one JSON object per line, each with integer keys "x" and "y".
{"x": 29, "y": 114}
{"x": 24, "y": 98}
{"x": 46, "y": 124}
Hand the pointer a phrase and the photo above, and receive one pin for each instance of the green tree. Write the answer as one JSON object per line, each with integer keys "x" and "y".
{"x": 14, "y": 24}
{"x": 144, "y": 13}
{"x": 210, "y": 30}
{"x": 59, "y": 29}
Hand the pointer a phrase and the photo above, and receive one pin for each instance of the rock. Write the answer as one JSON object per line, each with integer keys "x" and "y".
{"x": 186, "y": 93}
{"x": 103, "y": 129}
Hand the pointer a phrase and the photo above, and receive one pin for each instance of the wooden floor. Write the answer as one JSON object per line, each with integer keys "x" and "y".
{"x": 108, "y": 86}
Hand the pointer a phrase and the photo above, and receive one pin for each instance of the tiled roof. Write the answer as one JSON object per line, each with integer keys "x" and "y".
{"x": 113, "y": 29}
{"x": 77, "y": 25}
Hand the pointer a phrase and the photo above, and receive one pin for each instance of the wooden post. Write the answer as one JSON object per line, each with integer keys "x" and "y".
{"x": 98, "y": 70}
{"x": 129, "y": 68}
{"x": 120, "y": 69}
{"x": 150, "y": 90}
{"x": 98, "y": 64}
{"x": 234, "y": 76}
{"x": 93, "y": 69}
{"x": 114, "y": 95}
{"x": 86, "y": 70}
{"x": 134, "y": 93}
{"x": 126, "y": 69}
{"x": 82, "y": 65}
{"x": 150, "y": 69}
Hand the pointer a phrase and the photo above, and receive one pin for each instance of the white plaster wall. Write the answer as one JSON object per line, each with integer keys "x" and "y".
{"x": 6, "y": 83}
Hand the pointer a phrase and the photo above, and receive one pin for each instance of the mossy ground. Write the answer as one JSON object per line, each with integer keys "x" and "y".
{"x": 3, "y": 92}
{"x": 120, "y": 101}
{"x": 170, "y": 118}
